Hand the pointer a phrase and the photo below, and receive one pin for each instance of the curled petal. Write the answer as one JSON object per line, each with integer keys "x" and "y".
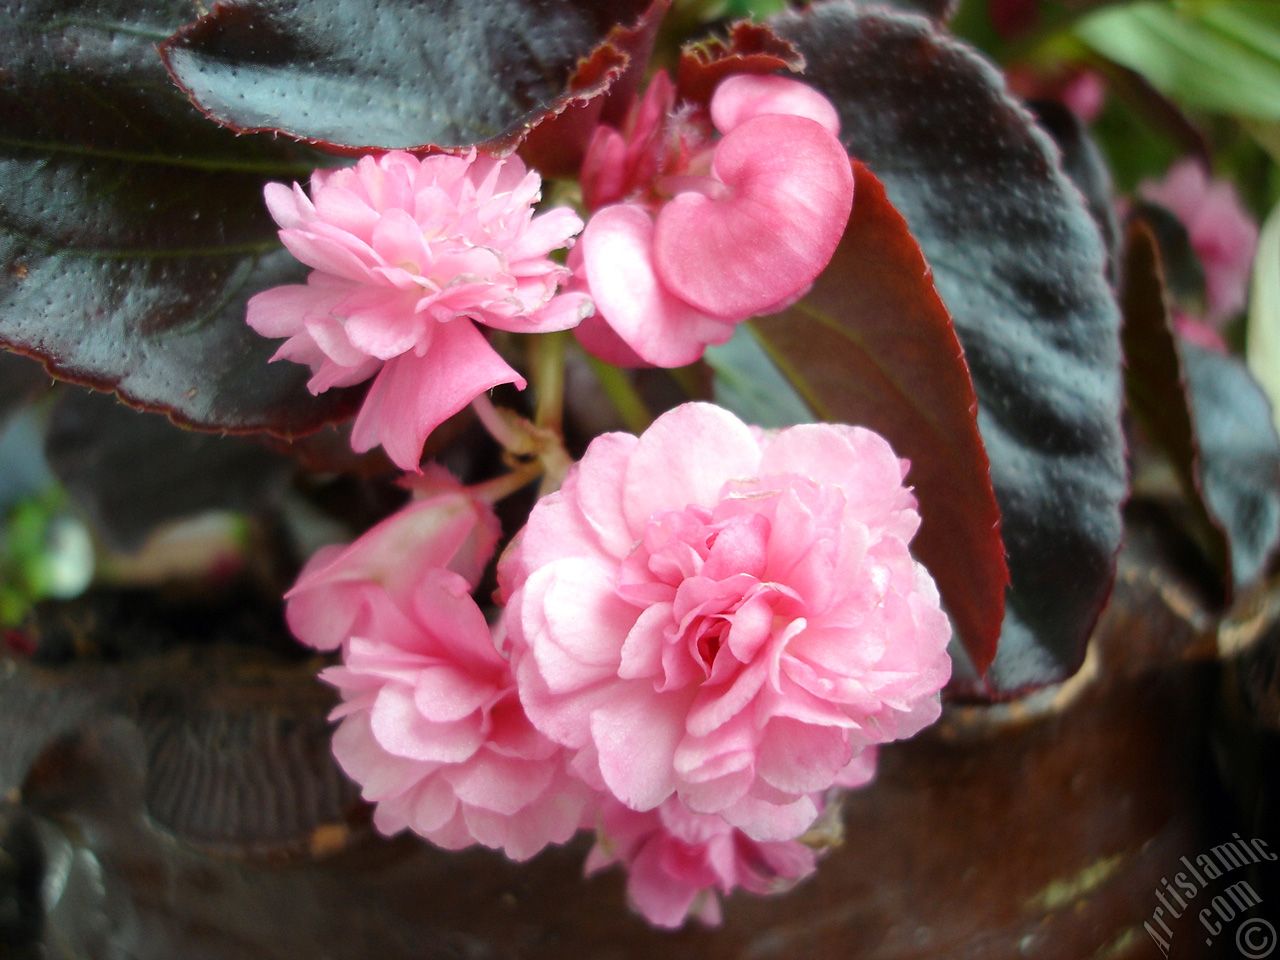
{"x": 617, "y": 260}
{"x": 743, "y": 96}
{"x": 775, "y": 230}
{"x": 413, "y": 395}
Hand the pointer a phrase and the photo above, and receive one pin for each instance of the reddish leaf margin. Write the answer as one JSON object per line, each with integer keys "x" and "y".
{"x": 873, "y": 344}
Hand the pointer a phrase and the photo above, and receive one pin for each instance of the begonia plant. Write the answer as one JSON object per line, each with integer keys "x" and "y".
{"x": 477, "y": 287}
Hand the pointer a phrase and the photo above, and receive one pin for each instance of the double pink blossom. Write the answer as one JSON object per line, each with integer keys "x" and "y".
{"x": 408, "y": 255}
{"x": 678, "y": 861}
{"x": 432, "y": 727}
{"x": 706, "y": 217}
{"x": 727, "y": 616}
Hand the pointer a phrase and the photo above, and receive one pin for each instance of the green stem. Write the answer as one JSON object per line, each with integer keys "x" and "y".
{"x": 622, "y": 394}
{"x": 548, "y": 379}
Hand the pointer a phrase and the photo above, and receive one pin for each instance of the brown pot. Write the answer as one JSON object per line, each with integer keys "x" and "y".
{"x": 1040, "y": 828}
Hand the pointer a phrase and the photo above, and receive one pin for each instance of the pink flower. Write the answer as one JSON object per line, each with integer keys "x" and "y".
{"x": 692, "y": 235}
{"x": 678, "y": 860}
{"x": 337, "y": 589}
{"x": 407, "y": 254}
{"x": 726, "y": 615}
{"x": 1198, "y": 332}
{"x": 1222, "y": 234}
{"x": 431, "y": 724}
{"x": 433, "y": 730}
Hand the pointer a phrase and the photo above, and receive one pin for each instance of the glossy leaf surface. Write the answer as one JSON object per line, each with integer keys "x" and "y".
{"x": 1020, "y": 265}
{"x": 397, "y": 73}
{"x": 132, "y": 231}
{"x": 872, "y": 344}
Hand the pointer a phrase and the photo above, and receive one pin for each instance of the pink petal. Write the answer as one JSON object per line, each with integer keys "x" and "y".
{"x": 743, "y": 96}
{"x": 289, "y": 205}
{"x": 798, "y": 757}
{"x": 443, "y": 694}
{"x": 663, "y": 476}
{"x": 434, "y": 805}
{"x": 451, "y": 531}
{"x": 500, "y": 784}
{"x": 662, "y": 899}
{"x": 413, "y": 395}
{"x": 403, "y": 732}
{"x": 278, "y": 311}
{"x": 599, "y": 491}
{"x": 618, "y": 262}
{"x": 773, "y": 234}
{"x": 854, "y": 458}
{"x": 764, "y": 821}
{"x": 583, "y": 624}
{"x": 636, "y": 734}
{"x": 380, "y": 774}
{"x": 859, "y": 771}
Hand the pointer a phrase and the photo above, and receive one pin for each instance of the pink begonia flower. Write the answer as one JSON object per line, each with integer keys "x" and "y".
{"x": 727, "y": 615}
{"x": 1223, "y": 236}
{"x": 692, "y": 234}
{"x": 431, "y": 725}
{"x": 409, "y": 255}
{"x": 1198, "y": 332}
{"x": 334, "y": 593}
{"x": 677, "y": 861}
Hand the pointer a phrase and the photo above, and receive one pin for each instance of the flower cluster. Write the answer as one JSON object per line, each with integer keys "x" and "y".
{"x": 704, "y": 630}
{"x": 698, "y": 222}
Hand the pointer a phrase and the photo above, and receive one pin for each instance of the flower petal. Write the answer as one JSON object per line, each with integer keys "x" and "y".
{"x": 785, "y": 212}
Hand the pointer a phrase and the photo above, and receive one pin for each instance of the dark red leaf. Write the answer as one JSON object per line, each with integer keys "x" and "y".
{"x": 556, "y": 145}
{"x": 132, "y": 231}
{"x": 1019, "y": 263}
{"x": 1083, "y": 162}
{"x": 749, "y": 48}
{"x": 1239, "y": 457}
{"x": 1208, "y": 416}
{"x": 355, "y": 74}
{"x": 872, "y": 344}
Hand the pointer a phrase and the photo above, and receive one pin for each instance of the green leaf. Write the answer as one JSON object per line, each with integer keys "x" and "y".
{"x": 1221, "y": 57}
{"x": 749, "y": 383}
{"x": 1263, "y": 339}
